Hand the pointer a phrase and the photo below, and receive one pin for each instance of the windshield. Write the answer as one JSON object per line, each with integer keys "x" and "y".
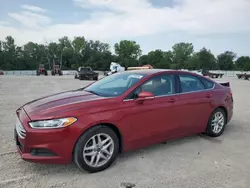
{"x": 115, "y": 84}
{"x": 85, "y": 69}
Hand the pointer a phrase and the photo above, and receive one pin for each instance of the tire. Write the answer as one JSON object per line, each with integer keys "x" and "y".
{"x": 83, "y": 162}
{"x": 96, "y": 78}
{"x": 210, "y": 130}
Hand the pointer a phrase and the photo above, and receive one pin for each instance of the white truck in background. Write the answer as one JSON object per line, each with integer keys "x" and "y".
{"x": 115, "y": 67}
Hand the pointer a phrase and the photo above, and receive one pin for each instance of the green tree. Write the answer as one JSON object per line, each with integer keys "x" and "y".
{"x": 71, "y": 54}
{"x": 203, "y": 59}
{"x": 159, "y": 59}
{"x": 143, "y": 60}
{"x": 226, "y": 60}
{"x": 194, "y": 62}
{"x": 243, "y": 63}
{"x": 181, "y": 54}
{"x": 128, "y": 51}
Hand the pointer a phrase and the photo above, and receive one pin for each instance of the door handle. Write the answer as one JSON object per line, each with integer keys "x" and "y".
{"x": 172, "y": 100}
{"x": 209, "y": 95}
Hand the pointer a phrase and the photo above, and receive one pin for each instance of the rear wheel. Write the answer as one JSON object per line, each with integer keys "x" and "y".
{"x": 96, "y": 149}
{"x": 216, "y": 123}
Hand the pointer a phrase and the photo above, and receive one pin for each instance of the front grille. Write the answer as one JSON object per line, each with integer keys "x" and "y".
{"x": 20, "y": 129}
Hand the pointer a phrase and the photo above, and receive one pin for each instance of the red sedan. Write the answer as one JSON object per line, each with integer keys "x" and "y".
{"x": 121, "y": 112}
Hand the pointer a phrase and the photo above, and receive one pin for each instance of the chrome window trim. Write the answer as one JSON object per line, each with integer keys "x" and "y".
{"x": 125, "y": 100}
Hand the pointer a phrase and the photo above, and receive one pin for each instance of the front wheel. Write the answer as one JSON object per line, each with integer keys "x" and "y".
{"x": 216, "y": 123}
{"x": 96, "y": 149}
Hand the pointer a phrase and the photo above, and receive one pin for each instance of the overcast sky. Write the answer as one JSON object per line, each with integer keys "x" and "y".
{"x": 219, "y": 25}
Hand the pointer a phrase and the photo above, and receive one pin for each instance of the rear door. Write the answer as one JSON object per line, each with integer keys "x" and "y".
{"x": 195, "y": 99}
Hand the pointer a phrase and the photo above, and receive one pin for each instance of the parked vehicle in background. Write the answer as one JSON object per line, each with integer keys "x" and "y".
{"x": 1, "y": 72}
{"x": 205, "y": 72}
{"x": 114, "y": 68}
{"x": 41, "y": 70}
{"x": 140, "y": 68}
{"x": 56, "y": 70}
{"x": 86, "y": 73}
{"x": 244, "y": 76}
{"x": 121, "y": 112}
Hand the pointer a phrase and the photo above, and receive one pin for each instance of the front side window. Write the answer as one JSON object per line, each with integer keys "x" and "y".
{"x": 190, "y": 83}
{"x": 114, "y": 85}
{"x": 160, "y": 85}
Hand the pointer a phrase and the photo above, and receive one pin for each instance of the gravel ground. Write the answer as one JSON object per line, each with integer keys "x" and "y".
{"x": 191, "y": 162}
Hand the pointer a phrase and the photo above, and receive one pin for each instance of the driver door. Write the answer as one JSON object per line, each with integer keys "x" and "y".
{"x": 153, "y": 120}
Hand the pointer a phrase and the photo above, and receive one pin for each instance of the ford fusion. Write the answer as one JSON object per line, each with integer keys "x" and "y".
{"x": 119, "y": 113}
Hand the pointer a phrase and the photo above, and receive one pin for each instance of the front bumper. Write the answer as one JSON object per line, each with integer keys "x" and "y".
{"x": 44, "y": 146}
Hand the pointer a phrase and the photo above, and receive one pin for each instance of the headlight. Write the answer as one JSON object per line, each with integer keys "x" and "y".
{"x": 52, "y": 124}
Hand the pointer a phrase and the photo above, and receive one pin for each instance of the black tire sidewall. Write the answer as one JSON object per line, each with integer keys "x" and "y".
{"x": 209, "y": 130}
{"x": 78, "y": 150}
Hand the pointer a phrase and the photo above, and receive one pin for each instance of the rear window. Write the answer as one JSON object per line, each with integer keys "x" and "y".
{"x": 208, "y": 84}
{"x": 85, "y": 69}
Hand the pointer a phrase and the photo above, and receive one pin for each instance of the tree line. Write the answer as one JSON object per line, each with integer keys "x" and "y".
{"x": 70, "y": 54}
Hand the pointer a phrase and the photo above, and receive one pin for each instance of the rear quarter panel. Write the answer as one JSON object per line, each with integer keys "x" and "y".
{"x": 221, "y": 98}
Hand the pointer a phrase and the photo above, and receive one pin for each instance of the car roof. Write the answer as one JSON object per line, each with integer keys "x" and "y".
{"x": 148, "y": 72}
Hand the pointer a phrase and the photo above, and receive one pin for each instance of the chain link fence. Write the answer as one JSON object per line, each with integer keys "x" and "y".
{"x": 230, "y": 73}
{"x": 72, "y": 72}
{"x": 33, "y": 72}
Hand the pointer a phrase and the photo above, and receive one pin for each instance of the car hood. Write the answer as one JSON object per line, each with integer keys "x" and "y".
{"x": 52, "y": 105}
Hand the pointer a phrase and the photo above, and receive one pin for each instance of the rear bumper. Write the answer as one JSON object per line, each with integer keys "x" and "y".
{"x": 230, "y": 110}
{"x": 230, "y": 114}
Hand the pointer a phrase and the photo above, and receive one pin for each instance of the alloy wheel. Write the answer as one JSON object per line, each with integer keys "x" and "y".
{"x": 218, "y": 122}
{"x": 98, "y": 150}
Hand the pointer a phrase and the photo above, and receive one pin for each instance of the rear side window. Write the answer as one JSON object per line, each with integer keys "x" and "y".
{"x": 190, "y": 83}
{"x": 208, "y": 84}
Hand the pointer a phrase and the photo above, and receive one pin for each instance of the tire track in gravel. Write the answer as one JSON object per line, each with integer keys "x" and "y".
{"x": 15, "y": 170}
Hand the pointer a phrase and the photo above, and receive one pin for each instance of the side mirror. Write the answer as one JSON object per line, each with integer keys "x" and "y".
{"x": 144, "y": 95}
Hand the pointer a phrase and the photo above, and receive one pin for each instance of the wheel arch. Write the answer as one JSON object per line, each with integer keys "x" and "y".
{"x": 224, "y": 109}
{"x": 109, "y": 125}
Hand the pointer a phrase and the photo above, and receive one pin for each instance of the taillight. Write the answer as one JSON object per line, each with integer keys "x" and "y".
{"x": 231, "y": 94}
